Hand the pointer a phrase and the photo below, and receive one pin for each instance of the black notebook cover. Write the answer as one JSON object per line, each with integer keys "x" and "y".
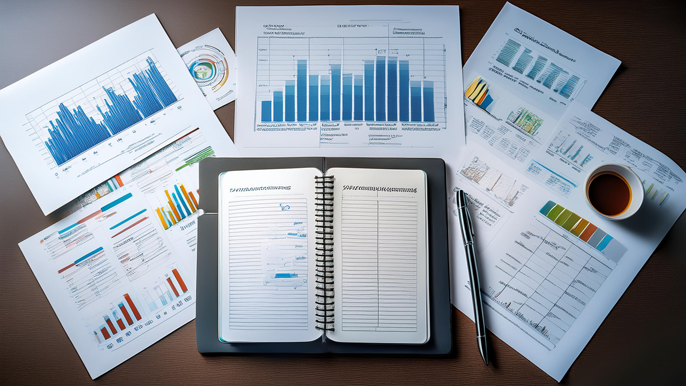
{"x": 207, "y": 301}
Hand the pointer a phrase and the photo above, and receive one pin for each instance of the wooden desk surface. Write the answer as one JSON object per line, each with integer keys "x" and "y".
{"x": 642, "y": 340}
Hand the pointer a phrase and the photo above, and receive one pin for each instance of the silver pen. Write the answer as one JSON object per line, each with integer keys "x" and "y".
{"x": 468, "y": 238}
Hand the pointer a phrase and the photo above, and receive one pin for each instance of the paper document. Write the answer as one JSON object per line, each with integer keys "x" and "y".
{"x": 551, "y": 269}
{"x": 100, "y": 110}
{"x": 348, "y": 80}
{"x": 212, "y": 63}
{"x": 521, "y": 79}
{"x": 120, "y": 271}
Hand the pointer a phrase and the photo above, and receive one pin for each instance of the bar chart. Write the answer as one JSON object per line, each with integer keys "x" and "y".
{"x": 323, "y": 79}
{"x": 164, "y": 290}
{"x": 122, "y": 314}
{"x": 543, "y": 71}
{"x": 103, "y": 107}
{"x": 181, "y": 203}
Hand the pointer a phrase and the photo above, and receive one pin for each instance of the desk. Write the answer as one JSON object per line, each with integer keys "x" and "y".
{"x": 646, "y": 98}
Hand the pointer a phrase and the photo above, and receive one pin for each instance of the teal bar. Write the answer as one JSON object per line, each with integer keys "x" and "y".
{"x": 116, "y": 202}
{"x": 547, "y": 207}
{"x": 128, "y": 218}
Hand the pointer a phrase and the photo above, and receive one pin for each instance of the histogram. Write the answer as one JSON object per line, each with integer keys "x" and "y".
{"x": 370, "y": 86}
{"x": 74, "y": 131}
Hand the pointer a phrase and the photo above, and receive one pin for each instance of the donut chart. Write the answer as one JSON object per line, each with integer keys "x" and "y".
{"x": 208, "y": 66}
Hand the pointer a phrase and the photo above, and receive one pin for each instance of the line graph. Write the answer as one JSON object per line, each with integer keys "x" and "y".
{"x": 102, "y": 107}
{"x": 545, "y": 278}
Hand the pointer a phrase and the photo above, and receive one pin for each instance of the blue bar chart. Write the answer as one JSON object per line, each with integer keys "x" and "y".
{"x": 350, "y": 79}
{"x": 103, "y": 107}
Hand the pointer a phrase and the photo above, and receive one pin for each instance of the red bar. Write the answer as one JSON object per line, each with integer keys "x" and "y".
{"x": 133, "y": 306}
{"x": 180, "y": 280}
{"x": 189, "y": 133}
{"x": 176, "y": 293}
{"x": 90, "y": 216}
{"x": 111, "y": 325}
{"x": 130, "y": 226}
{"x": 66, "y": 268}
{"x": 104, "y": 333}
{"x": 126, "y": 314}
{"x": 121, "y": 324}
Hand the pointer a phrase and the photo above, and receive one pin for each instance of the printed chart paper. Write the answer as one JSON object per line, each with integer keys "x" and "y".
{"x": 212, "y": 63}
{"x": 522, "y": 77}
{"x": 551, "y": 269}
{"x": 120, "y": 271}
{"x": 100, "y": 110}
{"x": 348, "y": 80}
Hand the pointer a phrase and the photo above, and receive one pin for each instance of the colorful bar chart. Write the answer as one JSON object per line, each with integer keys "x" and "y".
{"x": 584, "y": 230}
{"x": 165, "y": 290}
{"x": 112, "y": 324}
{"x": 180, "y": 204}
{"x": 478, "y": 93}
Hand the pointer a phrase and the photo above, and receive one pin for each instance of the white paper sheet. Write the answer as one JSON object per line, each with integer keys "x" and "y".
{"x": 158, "y": 237}
{"x": 212, "y": 63}
{"x": 349, "y": 81}
{"x": 136, "y": 69}
{"x": 267, "y": 252}
{"x": 549, "y": 277}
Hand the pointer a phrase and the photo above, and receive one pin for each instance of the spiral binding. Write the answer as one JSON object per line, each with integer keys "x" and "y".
{"x": 324, "y": 250}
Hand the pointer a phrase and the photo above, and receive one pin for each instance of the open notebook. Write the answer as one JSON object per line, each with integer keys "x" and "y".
{"x": 341, "y": 253}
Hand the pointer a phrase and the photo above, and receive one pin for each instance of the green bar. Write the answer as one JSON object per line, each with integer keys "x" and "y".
{"x": 563, "y": 217}
{"x": 547, "y": 207}
{"x": 571, "y": 221}
{"x": 555, "y": 212}
{"x": 199, "y": 157}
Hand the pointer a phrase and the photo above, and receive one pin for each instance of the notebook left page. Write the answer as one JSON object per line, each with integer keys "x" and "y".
{"x": 267, "y": 256}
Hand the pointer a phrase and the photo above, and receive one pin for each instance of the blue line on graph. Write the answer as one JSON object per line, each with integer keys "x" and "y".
{"x": 116, "y": 202}
{"x": 87, "y": 255}
{"x": 128, "y": 218}
{"x": 74, "y": 132}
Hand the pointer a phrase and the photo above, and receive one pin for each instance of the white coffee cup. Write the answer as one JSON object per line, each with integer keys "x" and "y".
{"x": 637, "y": 192}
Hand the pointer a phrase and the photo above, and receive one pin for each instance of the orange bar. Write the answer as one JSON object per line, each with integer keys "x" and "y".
{"x": 133, "y": 307}
{"x": 171, "y": 216}
{"x": 171, "y": 205}
{"x": 159, "y": 214}
{"x": 121, "y": 324}
{"x": 193, "y": 198}
{"x": 171, "y": 284}
{"x": 188, "y": 200}
{"x": 590, "y": 229}
{"x": 105, "y": 333}
{"x": 118, "y": 180}
{"x": 180, "y": 280}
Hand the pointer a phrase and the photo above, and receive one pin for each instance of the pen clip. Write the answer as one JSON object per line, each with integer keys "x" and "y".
{"x": 468, "y": 217}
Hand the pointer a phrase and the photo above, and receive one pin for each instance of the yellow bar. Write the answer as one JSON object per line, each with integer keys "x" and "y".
{"x": 173, "y": 220}
{"x": 472, "y": 87}
{"x": 188, "y": 200}
{"x": 164, "y": 223}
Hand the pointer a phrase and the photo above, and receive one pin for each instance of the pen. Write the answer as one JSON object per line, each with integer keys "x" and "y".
{"x": 468, "y": 237}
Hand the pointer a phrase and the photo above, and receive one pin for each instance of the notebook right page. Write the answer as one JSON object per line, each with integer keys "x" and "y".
{"x": 380, "y": 256}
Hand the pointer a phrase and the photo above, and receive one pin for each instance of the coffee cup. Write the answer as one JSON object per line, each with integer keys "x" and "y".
{"x": 614, "y": 191}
